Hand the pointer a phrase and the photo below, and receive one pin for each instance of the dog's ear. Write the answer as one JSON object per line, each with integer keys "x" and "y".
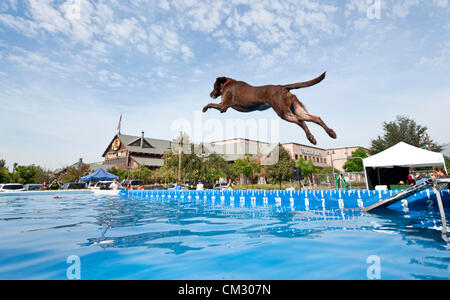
{"x": 221, "y": 80}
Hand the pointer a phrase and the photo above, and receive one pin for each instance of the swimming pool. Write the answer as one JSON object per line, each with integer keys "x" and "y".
{"x": 124, "y": 237}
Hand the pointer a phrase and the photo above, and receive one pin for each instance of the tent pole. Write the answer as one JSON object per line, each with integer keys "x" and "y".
{"x": 365, "y": 174}
{"x": 445, "y": 167}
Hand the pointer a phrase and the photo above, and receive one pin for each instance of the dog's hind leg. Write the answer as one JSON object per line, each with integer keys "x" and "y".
{"x": 290, "y": 117}
{"x": 301, "y": 112}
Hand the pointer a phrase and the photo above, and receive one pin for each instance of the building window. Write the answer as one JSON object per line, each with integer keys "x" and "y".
{"x": 296, "y": 156}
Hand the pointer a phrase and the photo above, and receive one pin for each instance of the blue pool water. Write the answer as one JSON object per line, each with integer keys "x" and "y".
{"x": 119, "y": 238}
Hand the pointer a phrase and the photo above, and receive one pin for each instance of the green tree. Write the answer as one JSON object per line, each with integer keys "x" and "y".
{"x": 328, "y": 170}
{"x": 214, "y": 167}
{"x": 283, "y": 169}
{"x": 41, "y": 175}
{"x": 308, "y": 168}
{"x": 123, "y": 174}
{"x": 405, "y": 130}
{"x": 142, "y": 173}
{"x": 246, "y": 167}
{"x": 26, "y": 174}
{"x": 5, "y": 176}
{"x": 191, "y": 166}
{"x": 447, "y": 163}
{"x": 164, "y": 175}
{"x": 75, "y": 173}
{"x": 354, "y": 164}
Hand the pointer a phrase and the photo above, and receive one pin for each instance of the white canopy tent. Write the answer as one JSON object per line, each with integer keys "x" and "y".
{"x": 406, "y": 156}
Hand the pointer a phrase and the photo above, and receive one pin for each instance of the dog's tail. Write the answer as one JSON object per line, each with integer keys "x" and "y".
{"x": 306, "y": 84}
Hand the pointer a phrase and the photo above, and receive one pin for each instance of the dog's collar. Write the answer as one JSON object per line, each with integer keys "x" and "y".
{"x": 226, "y": 83}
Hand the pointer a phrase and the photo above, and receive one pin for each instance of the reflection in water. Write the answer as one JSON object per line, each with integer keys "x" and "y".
{"x": 172, "y": 222}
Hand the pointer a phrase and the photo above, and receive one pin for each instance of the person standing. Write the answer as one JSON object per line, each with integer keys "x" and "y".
{"x": 438, "y": 173}
{"x": 230, "y": 185}
{"x": 44, "y": 186}
{"x": 114, "y": 185}
{"x": 178, "y": 186}
{"x": 55, "y": 185}
{"x": 128, "y": 187}
{"x": 200, "y": 186}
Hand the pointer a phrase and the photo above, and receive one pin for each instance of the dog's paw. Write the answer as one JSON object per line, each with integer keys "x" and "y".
{"x": 332, "y": 134}
{"x": 205, "y": 109}
{"x": 312, "y": 139}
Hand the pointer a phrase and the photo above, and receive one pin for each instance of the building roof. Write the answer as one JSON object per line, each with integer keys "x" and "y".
{"x": 324, "y": 149}
{"x": 297, "y": 144}
{"x": 149, "y": 162}
{"x": 238, "y": 140}
{"x": 151, "y": 146}
{"x": 357, "y": 147}
{"x": 95, "y": 166}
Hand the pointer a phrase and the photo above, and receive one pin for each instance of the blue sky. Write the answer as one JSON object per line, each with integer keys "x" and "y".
{"x": 69, "y": 68}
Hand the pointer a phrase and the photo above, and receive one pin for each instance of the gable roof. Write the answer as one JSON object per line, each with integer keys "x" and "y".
{"x": 151, "y": 146}
{"x": 149, "y": 162}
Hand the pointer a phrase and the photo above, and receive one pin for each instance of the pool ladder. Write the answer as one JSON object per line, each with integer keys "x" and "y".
{"x": 436, "y": 184}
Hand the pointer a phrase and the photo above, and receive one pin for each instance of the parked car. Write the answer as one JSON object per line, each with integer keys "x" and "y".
{"x": 208, "y": 186}
{"x": 100, "y": 184}
{"x": 32, "y": 187}
{"x": 193, "y": 185}
{"x": 220, "y": 186}
{"x": 158, "y": 187}
{"x": 74, "y": 186}
{"x": 134, "y": 183}
{"x": 11, "y": 187}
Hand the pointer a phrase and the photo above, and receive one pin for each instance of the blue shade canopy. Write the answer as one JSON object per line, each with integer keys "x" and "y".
{"x": 98, "y": 175}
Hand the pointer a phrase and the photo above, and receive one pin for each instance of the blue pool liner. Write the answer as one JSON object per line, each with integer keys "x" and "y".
{"x": 298, "y": 200}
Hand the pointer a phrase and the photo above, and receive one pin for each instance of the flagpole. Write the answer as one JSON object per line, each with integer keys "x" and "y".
{"x": 120, "y": 124}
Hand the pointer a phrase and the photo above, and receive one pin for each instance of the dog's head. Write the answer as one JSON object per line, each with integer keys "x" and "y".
{"x": 217, "y": 92}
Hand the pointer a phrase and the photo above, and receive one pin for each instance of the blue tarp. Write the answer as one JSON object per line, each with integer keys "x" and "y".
{"x": 98, "y": 175}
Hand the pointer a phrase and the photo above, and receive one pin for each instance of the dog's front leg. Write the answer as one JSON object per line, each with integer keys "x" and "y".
{"x": 213, "y": 105}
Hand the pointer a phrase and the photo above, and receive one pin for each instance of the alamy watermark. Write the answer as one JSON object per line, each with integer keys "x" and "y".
{"x": 72, "y": 10}
{"x": 374, "y": 269}
{"x": 374, "y": 9}
{"x": 260, "y": 138}
{"x": 74, "y": 270}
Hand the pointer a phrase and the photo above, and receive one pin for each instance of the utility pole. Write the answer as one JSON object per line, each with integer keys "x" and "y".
{"x": 180, "y": 156}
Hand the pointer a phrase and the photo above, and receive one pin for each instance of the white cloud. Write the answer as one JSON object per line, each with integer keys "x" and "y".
{"x": 402, "y": 8}
{"x": 441, "y": 3}
{"x": 126, "y": 31}
{"x": 37, "y": 62}
{"x": 164, "y": 4}
{"x": 249, "y": 48}
{"x": 26, "y": 27}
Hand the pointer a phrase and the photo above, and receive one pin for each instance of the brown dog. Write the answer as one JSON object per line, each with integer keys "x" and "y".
{"x": 246, "y": 98}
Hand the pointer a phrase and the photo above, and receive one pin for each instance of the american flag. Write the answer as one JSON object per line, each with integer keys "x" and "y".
{"x": 120, "y": 123}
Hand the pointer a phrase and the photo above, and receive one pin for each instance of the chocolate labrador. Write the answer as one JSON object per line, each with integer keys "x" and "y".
{"x": 246, "y": 98}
